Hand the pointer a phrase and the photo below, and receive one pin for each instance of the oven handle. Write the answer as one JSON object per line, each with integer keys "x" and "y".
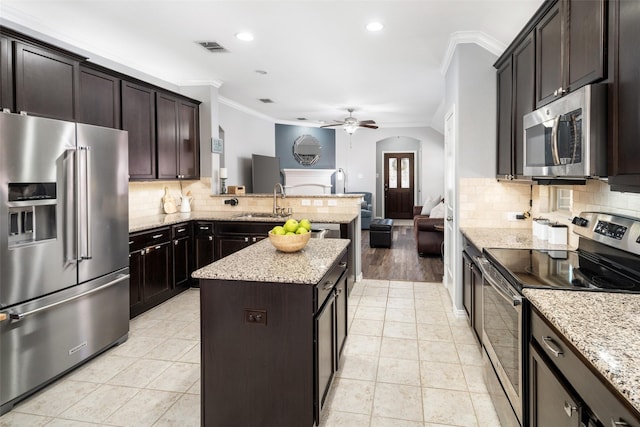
{"x": 491, "y": 274}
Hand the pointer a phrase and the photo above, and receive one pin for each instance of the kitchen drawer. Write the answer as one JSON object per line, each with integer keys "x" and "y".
{"x": 156, "y": 236}
{"x": 204, "y": 228}
{"x": 180, "y": 230}
{"x": 324, "y": 288}
{"x": 596, "y": 391}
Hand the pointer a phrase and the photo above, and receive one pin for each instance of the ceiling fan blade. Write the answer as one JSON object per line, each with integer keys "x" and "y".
{"x": 367, "y": 122}
{"x": 328, "y": 126}
{"x": 368, "y": 126}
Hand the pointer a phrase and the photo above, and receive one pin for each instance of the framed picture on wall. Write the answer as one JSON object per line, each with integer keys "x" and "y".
{"x": 217, "y": 145}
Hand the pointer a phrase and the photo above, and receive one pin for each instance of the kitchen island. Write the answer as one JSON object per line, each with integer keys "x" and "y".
{"x": 273, "y": 325}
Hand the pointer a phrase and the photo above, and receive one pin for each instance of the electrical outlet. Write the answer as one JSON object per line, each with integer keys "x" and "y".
{"x": 305, "y": 202}
{"x": 255, "y": 317}
{"x": 332, "y": 202}
{"x": 317, "y": 203}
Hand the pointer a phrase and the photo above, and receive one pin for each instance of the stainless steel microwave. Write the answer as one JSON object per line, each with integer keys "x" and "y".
{"x": 568, "y": 137}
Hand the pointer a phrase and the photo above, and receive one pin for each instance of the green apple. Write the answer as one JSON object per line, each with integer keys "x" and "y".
{"x": 290, "y": 233}
{"x": 306, "y": 224}
{"x": 291, "y": 225}
{"x": 278, "y": 229}
{"x": 301, "y": 230}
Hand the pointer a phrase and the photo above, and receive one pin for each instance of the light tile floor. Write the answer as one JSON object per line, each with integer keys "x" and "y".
{"x": 408, "y": 362}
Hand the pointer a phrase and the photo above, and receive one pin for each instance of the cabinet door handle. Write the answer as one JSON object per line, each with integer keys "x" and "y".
{"x": 204, "y": 227}
{"x": 156, "y": 236}
{"x": 343, "y": 264}
{"x": 327, "y": 285}
{"x": 180, "y": 230}
{"x": 246, "y": 240}
{"x": 175, "y": 242}
{"x": 619, "y": 423}
{"x": 210, "y": 237}
{"x": 552, "y": 346}
{"x": 569, "y": 409}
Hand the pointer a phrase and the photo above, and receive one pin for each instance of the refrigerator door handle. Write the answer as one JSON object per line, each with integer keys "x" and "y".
{"x": 85, "y": 201}
{"x": 70, "y": 207}
{"x": 20, "y": 316}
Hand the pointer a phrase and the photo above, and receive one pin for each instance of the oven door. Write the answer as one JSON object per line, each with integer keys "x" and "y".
{"x": 502, "y": 334}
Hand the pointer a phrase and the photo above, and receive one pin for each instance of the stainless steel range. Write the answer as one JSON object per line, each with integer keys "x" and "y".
{"x": 607, "y": 260}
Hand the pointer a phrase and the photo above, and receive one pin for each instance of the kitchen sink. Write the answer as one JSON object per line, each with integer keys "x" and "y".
{"x": 259, "y": 215}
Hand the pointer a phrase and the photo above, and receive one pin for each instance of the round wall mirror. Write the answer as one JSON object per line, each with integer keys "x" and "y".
{"x": 306, "y": 150}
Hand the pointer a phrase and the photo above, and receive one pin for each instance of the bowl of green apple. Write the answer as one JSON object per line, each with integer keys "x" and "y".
{"x": 291, "y": 236}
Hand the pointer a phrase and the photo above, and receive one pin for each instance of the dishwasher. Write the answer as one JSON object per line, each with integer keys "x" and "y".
{"x": 325, "y": 230}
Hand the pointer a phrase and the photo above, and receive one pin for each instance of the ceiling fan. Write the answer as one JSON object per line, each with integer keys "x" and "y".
{"x": 350, "y": 124}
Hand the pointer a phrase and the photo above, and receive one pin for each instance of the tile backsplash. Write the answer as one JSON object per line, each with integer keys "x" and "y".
{"x": 145, "y": 199}
{"x": 485, "y": 202}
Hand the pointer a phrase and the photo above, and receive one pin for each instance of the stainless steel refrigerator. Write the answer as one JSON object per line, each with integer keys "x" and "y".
{"x": 64, "y": 268}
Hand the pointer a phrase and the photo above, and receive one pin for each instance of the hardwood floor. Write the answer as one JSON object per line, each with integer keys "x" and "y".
{"x": 401, "y": 262}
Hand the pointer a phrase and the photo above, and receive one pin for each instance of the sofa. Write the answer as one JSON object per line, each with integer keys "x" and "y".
{"x": 366, "y": 209}
{"x": 428, "y": 239}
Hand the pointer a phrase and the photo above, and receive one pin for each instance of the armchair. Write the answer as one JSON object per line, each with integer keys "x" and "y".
{"x": 366, "y": 209}
{"x": 428, "y": 239}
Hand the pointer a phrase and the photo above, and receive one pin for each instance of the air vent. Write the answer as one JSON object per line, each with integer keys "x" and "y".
{"x": 213, "y": 46}
{"x": 302, "y": 118}
{"x": 266, "y": 100}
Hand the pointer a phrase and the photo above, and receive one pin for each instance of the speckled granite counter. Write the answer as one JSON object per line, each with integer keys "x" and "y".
{"x": 508, "y": 238}
{"x": 149, "y": 222}
{"x": 607, "y": 336}
{"x": 261, "y": 262}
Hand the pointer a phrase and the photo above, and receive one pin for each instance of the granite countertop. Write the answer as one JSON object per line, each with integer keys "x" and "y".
{"x": 508, "y": 238}
{"x": 261, "y": 262}
{"x": 153, "y": 221}
{"x": 607, "y": 336}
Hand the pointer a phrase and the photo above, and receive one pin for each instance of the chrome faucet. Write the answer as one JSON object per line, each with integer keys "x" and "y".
{"x": 276, "y": 209}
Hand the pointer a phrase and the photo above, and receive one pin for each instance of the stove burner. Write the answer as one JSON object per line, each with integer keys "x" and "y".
{"x": 584, "y": 280}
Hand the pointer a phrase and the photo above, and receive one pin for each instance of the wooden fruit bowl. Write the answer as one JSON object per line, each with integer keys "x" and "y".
{"x": 289, "y": 243}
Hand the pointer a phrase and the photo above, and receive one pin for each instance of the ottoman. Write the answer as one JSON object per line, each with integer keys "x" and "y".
{"x": 380, "y": 233}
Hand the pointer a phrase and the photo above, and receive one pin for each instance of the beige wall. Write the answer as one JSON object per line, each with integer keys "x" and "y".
{"x": 486, "y": 202}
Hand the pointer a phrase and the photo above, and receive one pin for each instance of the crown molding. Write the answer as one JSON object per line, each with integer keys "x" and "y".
{"x": 244, "y": 109}
{"x": 478, "y": 37}
{"x": 214, "y": 83}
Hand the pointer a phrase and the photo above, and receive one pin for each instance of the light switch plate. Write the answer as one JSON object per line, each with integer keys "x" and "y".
{"x": 305, "y": 202}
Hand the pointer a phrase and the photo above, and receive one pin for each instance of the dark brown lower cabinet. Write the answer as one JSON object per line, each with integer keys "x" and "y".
{"x": 151, "y": 265}
{"x": 275, "y": 371}
{"x": 182, "y": 258}
{"x": 472, "y": 287}
{"x": 233, "y": 236}
{"x": 553, "y": 404}
{"x": 204, "y": 243}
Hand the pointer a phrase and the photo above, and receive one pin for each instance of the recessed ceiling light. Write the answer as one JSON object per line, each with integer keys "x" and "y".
{"x": 374, "y": 26}
{"x": 244, "y": 36}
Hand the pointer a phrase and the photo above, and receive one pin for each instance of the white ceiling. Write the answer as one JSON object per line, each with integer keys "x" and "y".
{"x": 319, "y": 57}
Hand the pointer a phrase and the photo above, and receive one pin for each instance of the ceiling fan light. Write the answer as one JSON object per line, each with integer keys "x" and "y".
{"x": 350, "y": 128}
{"x": 245, "y": 36}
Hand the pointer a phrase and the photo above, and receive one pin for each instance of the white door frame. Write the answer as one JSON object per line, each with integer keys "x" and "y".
{"x": 450, "y": 195}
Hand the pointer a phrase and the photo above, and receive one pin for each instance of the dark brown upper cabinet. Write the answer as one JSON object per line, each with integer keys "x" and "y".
{"x": 570, "y": 48}
{"x": 515, "y": 99}
{"x": 6, "y": 74}
{"x": 624, "y": 147}
{"x": 46, "y": 82}
{"x": 99, "y": 102}
{"x": 178, "y": 146}
{"x": 139, "y": 119}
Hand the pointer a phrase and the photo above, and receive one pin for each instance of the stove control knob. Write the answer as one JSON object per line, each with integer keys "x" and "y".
{"x": 579, "y": 221}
